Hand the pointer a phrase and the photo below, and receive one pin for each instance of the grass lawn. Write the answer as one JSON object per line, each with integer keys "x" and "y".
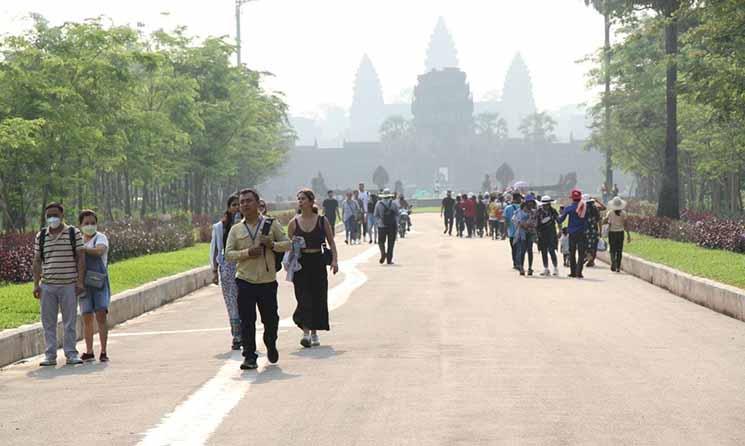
{"x": 427, "y": 210}
{"x": 722, "y": 266}
{"x": 18, "y": 306}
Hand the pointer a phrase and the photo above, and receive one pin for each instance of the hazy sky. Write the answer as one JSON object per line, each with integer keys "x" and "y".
{"x": 314, "y": 46}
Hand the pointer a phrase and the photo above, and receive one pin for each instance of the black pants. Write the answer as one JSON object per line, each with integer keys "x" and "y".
{"x": 615, "y": 239}
{"x": 449, "y": 223}
{"x": 513, "y": 251}
{"x": 470, "y": 223}
{"x": 460, "y": 225}
{"x": 577, "y": 247}
{"x": 364, "y": 226}
{"x": 387, "y": 233}
{"x": 263, "y": 295}
{"x": 332, "y": 222}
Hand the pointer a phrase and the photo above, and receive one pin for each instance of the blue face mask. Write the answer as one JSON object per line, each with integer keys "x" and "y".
{"x": 54, "y": 222}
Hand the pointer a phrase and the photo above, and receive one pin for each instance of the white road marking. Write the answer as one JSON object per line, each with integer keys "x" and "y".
{"x": 193, "y": 421}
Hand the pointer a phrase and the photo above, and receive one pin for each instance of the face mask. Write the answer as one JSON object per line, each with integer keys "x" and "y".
{"x": 89, "y": 229}
{"x": 54, "y": 222}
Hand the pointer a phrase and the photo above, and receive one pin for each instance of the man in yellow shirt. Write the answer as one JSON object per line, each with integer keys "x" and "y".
{"x": 252, "y": 244}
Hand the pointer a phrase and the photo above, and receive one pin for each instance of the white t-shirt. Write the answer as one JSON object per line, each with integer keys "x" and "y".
{"x": 365, "y": 197}
{"x": 100, "y": 240}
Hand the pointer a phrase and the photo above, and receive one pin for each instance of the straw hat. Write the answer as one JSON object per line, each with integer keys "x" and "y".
{"x": 617, "y": 204}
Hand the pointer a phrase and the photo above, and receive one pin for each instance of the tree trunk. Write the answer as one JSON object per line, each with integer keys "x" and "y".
{"x": 668, "y": 204}
{"x": 606, "y": 99}
{"x": 127, "y": 196}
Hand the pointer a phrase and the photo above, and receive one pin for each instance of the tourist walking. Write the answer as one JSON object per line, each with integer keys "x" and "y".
{"x": 364, "y": 198}
{"x": 59, "y": 275}
{"x": 546, "y": 218}
{"x": 481, "y": 216}
{"x": 525, "y": 236}
{"x": 252, "y": 245}
{"x": 509, "y": 214}
{"x": 616, "y": 221}
{"x": 495, "y": 213}
{"x": 469, "y": 210}
{"x": 576, "y": 229}
{"x": 372, "y": 226}
{"x": 593, "y": 229}
{"x": 350, "y": 210}
{"x": 311, "y": 280}
{"x": 447, "y": 210}
{"x": 223, "y": 271}
{"x": 386, "y": 215}
{"x": 95, "y": 302}
{"x": 331, "y": 210}
{"x": 460, "y": 217}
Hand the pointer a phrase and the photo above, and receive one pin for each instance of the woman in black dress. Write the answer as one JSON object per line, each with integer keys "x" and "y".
{"x": 311, "y": 282}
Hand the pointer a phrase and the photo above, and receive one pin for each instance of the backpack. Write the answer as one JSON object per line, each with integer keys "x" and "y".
{"x": 71, "y": 236}
{"x": 389, "y": 216}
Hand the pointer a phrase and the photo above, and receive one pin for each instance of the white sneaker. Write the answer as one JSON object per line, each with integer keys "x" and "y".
{"x": 74, "y": 360}
{"x": 305, "y": 341}
{"x": 545, "y": 272}
{"x": 48, "y": 362}
{"x": 314, "y": 341}
{"x": 556, "y": 271}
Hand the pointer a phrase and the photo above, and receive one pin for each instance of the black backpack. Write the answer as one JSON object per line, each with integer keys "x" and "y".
{"x": 389, "y": 216}
{"x": 42, "y": 240}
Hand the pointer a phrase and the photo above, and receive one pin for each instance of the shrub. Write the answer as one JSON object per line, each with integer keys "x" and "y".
{"x": 127, "y": 239}
{"x": 701, "y": 229}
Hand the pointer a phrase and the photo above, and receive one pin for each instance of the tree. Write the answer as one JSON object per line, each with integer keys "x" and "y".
{"x": 490, "y": 127}
{"x": 505, "y": 175}
{"x": 607, "y": 9}
{"x": 668, "y": 204}
{"x": 318, "y": 185}
{"x": 538, "y": 127}
{"x": 380, "y": 177}
{"x": 398, "y": 187}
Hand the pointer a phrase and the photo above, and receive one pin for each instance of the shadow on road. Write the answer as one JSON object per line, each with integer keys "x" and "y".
{"x": 323, "y": 352}
{"x": 67, "y": 370}
{"x": 269, "y": 374}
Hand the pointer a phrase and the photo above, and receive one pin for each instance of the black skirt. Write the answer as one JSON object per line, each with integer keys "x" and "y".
{"x": 311, "y": 292}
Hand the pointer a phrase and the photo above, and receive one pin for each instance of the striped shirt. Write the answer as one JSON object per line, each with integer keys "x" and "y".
{"x": 59, "y": 266}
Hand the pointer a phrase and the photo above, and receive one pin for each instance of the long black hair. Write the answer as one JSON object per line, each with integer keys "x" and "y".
{"x": 227, "y": 219}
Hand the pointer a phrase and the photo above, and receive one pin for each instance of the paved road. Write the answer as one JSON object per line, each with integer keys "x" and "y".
{"x": 447, "y": 347}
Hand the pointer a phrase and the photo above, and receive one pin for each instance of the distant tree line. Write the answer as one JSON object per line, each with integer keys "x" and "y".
{"x": 129, "y": 124}
{"x": 673, "y": 111}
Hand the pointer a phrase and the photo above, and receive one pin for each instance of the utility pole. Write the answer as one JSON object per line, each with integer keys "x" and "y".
{"x": 238, "y": 4}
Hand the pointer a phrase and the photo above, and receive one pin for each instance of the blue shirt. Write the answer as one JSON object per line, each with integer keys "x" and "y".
{"x": 508, "y": 213}
{"x": 576, "y": 224}
{"x": 521, "y": 217}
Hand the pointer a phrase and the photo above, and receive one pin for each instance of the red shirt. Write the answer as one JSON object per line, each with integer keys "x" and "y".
{"x": 469, "y": 208}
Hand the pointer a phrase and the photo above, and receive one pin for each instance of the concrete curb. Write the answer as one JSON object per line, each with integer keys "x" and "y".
{"x": 28, "y": 340}
{"x": 724, "y": 299}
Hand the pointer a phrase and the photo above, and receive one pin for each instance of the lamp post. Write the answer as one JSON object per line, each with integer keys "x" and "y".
{"x": 238, "y": 4}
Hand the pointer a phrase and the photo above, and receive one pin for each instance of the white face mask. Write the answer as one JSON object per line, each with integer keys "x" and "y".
{"x": 88, "y": 229}
{"x": 54, "y": 222}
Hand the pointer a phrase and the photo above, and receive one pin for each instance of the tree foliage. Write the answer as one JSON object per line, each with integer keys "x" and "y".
{"x": 105, "y": 117}
{"x": 538, "y": 127}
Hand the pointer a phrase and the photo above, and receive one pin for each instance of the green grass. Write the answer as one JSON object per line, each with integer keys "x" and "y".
{"x": 722, "y": 266}
{"x": 18, "y": 306}
{"x": 426, "y": 210}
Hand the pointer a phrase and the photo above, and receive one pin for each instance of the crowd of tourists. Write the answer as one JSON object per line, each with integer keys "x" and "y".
{"x": 249, "y": 247}
{"x": 575, "y": 231}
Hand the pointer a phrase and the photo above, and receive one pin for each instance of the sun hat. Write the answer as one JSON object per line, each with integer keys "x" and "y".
{"x": 546, "y": 199}
{"x": 576, "y": 195}
{"x": 529, "y": 197}
{"x": 617, "y": 204}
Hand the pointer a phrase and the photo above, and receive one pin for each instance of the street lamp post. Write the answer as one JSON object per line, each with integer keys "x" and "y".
{"x": 238, "y": 4}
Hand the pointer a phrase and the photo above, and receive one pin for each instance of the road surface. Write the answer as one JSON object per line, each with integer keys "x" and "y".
{"x": 447, "y": 347}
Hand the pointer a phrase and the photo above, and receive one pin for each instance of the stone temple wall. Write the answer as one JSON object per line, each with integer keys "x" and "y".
{"x": 342, "y": 168}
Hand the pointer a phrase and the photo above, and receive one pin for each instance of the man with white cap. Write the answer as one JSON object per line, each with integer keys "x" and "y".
{"x": 386, "y": 215}
{"x": 616, "y": 221}
{"x": 547, "y": 234}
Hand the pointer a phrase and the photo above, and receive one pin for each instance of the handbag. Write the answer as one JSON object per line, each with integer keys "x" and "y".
{"x": 602, "y": 246}
{"x": 95, "y": 279}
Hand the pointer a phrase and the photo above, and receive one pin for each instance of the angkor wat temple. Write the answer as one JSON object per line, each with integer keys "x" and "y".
{"x": 438, "y": 135}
